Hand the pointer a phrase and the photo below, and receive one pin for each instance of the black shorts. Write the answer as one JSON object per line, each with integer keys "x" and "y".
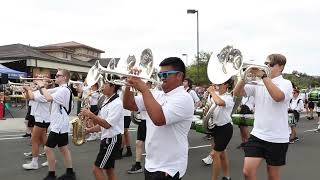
{"x": 311, "y": 105}
{"x": 55, "y": 139}
{"x": 222, "y": 136}
{"x": 273, "y": 153}
{"x": 142, "y": 131}
{"x": 94, "y": 109}
{"x": 159, "y": 175}
{"x": 30, "y": 118}
{"x": 109, "y": 152}
{"x": 127, "y": 121}
{"x": 42, "y": 124}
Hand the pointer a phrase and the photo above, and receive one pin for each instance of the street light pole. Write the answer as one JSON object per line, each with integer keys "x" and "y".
{"x": 193, "y": 11}
{"x": 186, "y": 55}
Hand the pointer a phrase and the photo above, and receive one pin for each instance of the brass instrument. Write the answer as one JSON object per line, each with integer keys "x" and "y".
{"x": 79, "y": 124}
{"x": 18, "y": 87}
{"x": 98, "y": 73}
{"x": 229, "y": 63}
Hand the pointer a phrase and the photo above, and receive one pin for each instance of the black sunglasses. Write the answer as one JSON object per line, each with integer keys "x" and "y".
{"x": 58, "y": 75}
{"x": 165, "y": 74}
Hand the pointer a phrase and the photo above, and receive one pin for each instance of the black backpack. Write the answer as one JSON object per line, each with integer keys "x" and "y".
{"x": 297, "y": 102}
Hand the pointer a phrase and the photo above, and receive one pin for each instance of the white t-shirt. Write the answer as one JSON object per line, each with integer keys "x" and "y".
{"x": 194, "y": 96}
{"x": 296, "y": 104}
{"x": 113, "y": 114}
{"x": 248, "y": 101}
{"x": 271, "y": 117}
{"x": 125, "y": 111}
{"x": 222, "y": 114}
{"x": 59, "y": 117}
{"x": 167, "y": 146}
{"x": 41, "y": 108}
{"x": 94, "y": 98}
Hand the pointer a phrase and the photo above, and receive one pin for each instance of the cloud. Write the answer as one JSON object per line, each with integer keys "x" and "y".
{"x": 123, "y": 27}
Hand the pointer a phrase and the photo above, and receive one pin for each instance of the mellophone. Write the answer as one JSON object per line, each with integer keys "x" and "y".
{"x": 237, "y": 119}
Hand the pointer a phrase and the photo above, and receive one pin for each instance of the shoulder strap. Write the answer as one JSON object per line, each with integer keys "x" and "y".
{"x": 110, "y": 100}
{"x": 70, "y": 102}
{"x": 290, "y": 101}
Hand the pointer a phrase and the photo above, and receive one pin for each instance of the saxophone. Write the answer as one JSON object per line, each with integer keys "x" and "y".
{"x": 79, "y": 124}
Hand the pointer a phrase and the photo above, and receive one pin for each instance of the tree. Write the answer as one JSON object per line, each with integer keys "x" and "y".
{"x": 192, "y": 69}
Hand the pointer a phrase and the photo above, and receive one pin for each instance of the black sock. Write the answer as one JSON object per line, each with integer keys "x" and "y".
{"x": 128, "y": 149}
{"x": 52, "y": 173}
{"x": 121, "y": 150}
{"x": 69, "y": 171}
{"x": 138, "y": 164}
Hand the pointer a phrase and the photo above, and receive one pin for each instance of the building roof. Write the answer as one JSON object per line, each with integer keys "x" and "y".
{"x": 21, "y": 52}
{"x": 70, "y": 44}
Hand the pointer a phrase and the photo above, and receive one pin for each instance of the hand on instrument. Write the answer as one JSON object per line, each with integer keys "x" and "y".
{"x": 86, "y": 112}
{"x": 137, "y": 83}
{"x": 87, "y": 130}
{"x": 257, "y": 72}
{"x": 26, "y": 88}
{"x": 211, "y": 89}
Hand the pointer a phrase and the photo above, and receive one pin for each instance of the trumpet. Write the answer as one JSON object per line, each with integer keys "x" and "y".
{"x": 31, "y": 79}
{"x": 18, "y": 87}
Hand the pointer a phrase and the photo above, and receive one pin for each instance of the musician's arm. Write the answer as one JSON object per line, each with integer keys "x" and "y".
{"x": 128, "y": 100}
{"x": 217, "y": 99}
{"x": 274, "y": 91}
{"x": 93, "y": 129}
{"x": 153, "y": 108}
{"x": 239, "y": 89}
{"x": 98, "y": 120}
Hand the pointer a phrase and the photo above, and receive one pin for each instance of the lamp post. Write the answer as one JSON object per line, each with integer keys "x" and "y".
{"x": 186, "y": 55}
{"x": 193, "y": 11}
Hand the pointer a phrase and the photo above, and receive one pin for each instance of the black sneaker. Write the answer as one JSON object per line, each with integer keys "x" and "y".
{"x": 135, "y": 169}
{"x": 296, "y": 139}
{"x": 26, "y": 135}
{"x": 291, "y": 141}
{"x": 225, "y": 178}
{"x": 128, "y": 154}
{"x": 50, "y": 178}
{"x": 67, "y": 176}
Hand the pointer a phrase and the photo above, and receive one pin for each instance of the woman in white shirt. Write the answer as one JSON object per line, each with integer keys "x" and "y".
{"x": 223, "y": 130}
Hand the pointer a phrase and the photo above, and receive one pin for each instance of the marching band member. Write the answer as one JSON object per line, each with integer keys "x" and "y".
{"x": 187, "y": 84}
{"x": 247, "y": 105}
{"x": 141, "y": 138}
{"x": 295, "y": 106}
{"x": 110, "y": 123}
{"x": 61, "y": 100}
{"x": 170, "y": 116}
{"x": 270, "y": 134}
{"x": 40, "y": 111}
{"x": 223, "y": 130}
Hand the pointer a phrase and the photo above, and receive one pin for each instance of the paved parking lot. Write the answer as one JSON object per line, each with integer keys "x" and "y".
{"x": 302, "y": 161}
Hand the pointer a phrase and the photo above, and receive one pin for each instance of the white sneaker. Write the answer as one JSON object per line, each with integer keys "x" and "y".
{"x": 42, "y": 154}
{"x": 30, "y": 166}
{"x": 207, "y": 160}
{"x": 92, "y": 137}
{"x": 44, "y": 164}
{"x": 28, "y": 154}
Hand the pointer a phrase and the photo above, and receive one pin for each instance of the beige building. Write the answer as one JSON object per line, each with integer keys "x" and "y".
{"x": 73, "y": 56}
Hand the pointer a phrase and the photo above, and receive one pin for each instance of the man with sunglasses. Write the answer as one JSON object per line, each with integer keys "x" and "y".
{"x": 170, "y": 115}
{"x": 270, "y": 134}
{"x": 61, "y": 98}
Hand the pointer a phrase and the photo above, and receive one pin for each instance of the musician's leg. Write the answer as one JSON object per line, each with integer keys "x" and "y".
{"x": 126, "y": 138}
{"x": 50, "y": 158}
{"x": 111, "y": 174}
{"x": 66, "y": 156}
{"x": 273, "y": 172}
{"x": 217, "y": 164}
{"x": 98, "y": 173}
{"x": 225, "y": 163}
{"x": 250, "y": 167}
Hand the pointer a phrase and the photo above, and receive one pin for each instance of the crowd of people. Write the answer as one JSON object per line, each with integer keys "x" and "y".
{"x": 166, "y": 114}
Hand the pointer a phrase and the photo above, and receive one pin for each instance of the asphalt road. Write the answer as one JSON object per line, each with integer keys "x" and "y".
{"x": 302, "y": 160}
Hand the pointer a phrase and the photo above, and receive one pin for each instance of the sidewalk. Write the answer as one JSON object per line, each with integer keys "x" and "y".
{"x": 15, "y": 125}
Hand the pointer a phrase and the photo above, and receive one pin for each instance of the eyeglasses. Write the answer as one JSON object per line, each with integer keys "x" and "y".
{"x": 165, "y": 74}
{"x": 269, "y": 64}
{"x": 58, "y": 75}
